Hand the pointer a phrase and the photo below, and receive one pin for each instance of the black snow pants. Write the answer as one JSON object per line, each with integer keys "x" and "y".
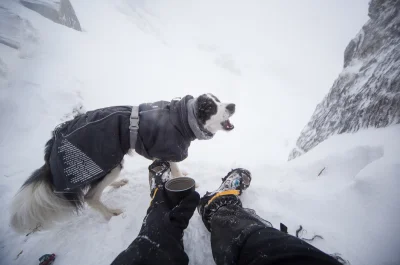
{"x": 239, "y": 236}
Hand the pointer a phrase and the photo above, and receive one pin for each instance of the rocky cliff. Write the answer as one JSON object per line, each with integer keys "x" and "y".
{"x": 59, "y": 11}
{"x": 367, "y": 92}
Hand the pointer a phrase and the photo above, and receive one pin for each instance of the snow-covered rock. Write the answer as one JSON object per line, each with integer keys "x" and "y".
{"x": 9, "y": 28}
{"x": 59, "y": 11}
{"x": 18, "y": 40}
{"x": 367, "y": 92}
{"x": 14, "y": 30}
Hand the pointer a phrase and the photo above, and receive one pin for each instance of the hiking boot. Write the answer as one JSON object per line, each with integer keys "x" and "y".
{"x": 159, "y": 173}
{"x": 228, "y": 193}
{"x": 237, "y": 179}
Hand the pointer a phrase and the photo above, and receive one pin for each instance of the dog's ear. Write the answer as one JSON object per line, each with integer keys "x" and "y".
{"x": 205, "y": 108}
{"x": 214, "y": 97}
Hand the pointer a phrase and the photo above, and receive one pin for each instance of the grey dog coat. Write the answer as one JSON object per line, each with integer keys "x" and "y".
{"x": 92, "y": 144}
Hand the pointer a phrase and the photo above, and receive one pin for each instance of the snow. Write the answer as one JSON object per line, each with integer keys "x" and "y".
{"x": 353, "y": 204}
{"x": 135, "y": 56}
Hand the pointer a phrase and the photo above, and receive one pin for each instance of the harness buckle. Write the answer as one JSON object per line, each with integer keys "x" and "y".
{"x": 134, "y": 119}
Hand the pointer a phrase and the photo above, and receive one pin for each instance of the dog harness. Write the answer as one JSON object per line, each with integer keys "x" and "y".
{"x": 134, "y": 126}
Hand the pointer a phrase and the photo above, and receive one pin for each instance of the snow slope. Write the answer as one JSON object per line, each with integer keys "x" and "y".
{"x": 127, "y": 54}
{"x": 353, "y": 204}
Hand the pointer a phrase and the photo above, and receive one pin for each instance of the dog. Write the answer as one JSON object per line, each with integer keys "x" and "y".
{"x": 85, "y": 154}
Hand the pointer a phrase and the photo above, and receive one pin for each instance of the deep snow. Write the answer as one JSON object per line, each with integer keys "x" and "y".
{"x": 353, "y": 204}
{"x": 127, "y": 55}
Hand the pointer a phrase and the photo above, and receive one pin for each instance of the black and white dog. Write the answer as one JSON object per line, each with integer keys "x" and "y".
{"x": 85, "y": 154}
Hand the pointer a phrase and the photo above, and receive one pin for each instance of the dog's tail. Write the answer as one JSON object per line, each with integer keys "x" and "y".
{"x": 36, "y": 205}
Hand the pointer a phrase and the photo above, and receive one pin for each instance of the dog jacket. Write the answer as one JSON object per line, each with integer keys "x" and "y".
{"x": 164, "y": 130}
{"x": 91, "y": 145}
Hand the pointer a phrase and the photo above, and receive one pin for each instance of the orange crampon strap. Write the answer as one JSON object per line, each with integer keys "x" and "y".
{"x": 222, "y": 193}
{"x": 154, "y": 195}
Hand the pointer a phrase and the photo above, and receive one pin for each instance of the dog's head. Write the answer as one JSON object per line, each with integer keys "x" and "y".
{"x": 214, "y": 115}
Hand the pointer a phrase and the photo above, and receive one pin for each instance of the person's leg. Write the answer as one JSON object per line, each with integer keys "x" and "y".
{"x": 230, "y": 227}
{"x": 239, "y": 236}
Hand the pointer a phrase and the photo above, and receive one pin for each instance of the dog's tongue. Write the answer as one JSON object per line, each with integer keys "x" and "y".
{"x": 227, "y": 125}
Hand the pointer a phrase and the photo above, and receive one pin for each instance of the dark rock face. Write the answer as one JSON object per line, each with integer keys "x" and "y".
{"x": 60, "y": 12}
{"x": 367, "y": 92}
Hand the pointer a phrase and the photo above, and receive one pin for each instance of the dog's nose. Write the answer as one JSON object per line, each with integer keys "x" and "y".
{"x": 231, "y": 108}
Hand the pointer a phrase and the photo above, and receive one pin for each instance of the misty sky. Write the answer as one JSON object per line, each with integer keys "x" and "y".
{"x": 283, "y": 56}
{"x": 301, "y": 42}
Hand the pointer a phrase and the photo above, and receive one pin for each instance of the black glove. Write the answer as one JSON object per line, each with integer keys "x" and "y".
{"x": 160, "y": 238}
{"x": 162, "y": 220}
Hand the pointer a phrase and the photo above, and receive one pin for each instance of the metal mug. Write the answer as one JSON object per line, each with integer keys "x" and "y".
{"x": 178, "y": 188}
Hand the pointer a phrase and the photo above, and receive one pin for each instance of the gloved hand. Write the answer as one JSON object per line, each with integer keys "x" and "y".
{"x": 163, "y": 222}
{"x": 160, "y": 238}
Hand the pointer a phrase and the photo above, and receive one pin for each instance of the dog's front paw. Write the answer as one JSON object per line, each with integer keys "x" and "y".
{"x": 184, "y": 173}
{"x": 115, "y": 212}
{"x": 119, "y": 183}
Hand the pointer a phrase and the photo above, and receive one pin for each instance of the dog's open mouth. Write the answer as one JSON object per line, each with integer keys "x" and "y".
{"x": 227, "y": 125}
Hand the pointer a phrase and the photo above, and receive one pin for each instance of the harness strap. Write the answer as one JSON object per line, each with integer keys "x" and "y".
{"x": 134, "y": 126}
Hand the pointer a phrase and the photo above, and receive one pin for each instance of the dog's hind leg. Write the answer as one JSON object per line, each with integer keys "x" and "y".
{"x": 94, "y": 194}
{"x": 119, "y": 183}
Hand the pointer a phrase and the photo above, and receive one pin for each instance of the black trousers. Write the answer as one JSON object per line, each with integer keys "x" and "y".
{"x": 239, "y": 236}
